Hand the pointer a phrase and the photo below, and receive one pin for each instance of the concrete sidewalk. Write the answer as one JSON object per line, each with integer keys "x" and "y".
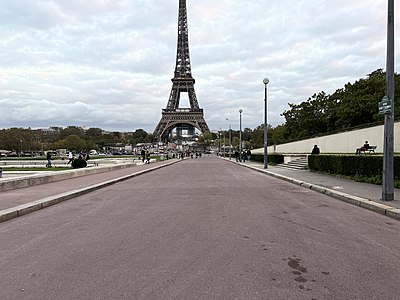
{"x": 358, "y": 193}
{"x": 20, "y": 201}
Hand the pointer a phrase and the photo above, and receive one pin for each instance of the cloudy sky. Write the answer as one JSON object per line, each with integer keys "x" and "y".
{"x": 109, "y": 63}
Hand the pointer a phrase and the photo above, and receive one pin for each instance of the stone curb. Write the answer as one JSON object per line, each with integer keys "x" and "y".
{"x": 20, "y": 210}
{"x": 383, "y": 209}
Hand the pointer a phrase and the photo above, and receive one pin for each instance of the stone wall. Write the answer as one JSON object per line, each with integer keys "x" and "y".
{"x": 345, "y": 142}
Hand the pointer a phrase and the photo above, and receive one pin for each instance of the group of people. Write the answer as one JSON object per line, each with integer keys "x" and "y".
{"x": 245, "y": 155}
{"x": 71, "y": 157}
{"x": 363, "y": 148}
{"x": 145, "y": 154}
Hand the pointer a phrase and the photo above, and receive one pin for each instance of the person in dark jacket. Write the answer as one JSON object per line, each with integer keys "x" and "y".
{"x": 364, "y": 148}
{"x": 143, "y": 154}
{"x": 48, "y": 156}
{"x": 237, "y": 155}
{"x": 315, "y": 150}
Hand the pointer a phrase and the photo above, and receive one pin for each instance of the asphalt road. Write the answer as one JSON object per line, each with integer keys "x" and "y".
{"x": 201, "y": 229}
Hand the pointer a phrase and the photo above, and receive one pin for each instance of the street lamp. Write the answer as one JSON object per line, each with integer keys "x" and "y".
{"x": 240, "y": 135}
{"x": 230, "y": 139}
{"x": 224, "y": 142}
{"x": 219, "y": 141}
{"x": 266, "y": 80}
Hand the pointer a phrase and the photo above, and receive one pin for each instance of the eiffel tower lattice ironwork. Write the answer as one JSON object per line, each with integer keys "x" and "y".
{"x": 183, "y": 82}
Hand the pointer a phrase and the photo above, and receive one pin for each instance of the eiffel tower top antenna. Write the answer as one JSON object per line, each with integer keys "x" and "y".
{"x": 183, "y": 82}
{"x": 183, "y": 68}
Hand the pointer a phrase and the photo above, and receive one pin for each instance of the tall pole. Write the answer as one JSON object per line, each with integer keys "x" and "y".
{"x": 230, "y": 142}
{"x": 219, "y": 139}
{"x": 388, "y": 143}
{"x": 224, "y": 144}
{"x": 266, "y": 80}
{"x": 240, "y": 135}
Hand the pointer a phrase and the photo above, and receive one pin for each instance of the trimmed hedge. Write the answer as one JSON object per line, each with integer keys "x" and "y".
{"x": 79, "y": 163}
{"x": 351, "y": 165}
{"x": 272, "y": 158}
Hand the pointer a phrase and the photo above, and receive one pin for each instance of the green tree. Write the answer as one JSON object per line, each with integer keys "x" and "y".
{"x": 139, "y": 136}
{"x": 205, "y": 139}
{"x": 235, "y": 141}
{"x": 307, "y": 118}
{"x": 72, "y": 130}
{"x": 277, "y": 135}
{"x": 94, "y": 134}
{"x": 72, "y": 142}
{"x": 16, "y": 139}
{"x": 357, "y": 104}
{"x": 353, "y": 105}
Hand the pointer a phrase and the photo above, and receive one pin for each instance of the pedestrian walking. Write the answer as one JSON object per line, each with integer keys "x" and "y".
{"x": 237, "y": 155}
{"x": 48, "y": 157}
{"x": 143, "y": 155}
{"x": 70, "y": 157}
{"x": 248, "y": 154}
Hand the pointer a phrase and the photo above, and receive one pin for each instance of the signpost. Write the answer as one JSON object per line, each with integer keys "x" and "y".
{"x": 385, "y": 106}
{"x": 388, "y": 110}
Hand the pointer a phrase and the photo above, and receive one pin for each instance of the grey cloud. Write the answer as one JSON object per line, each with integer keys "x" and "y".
{"x": 108, "y": 64}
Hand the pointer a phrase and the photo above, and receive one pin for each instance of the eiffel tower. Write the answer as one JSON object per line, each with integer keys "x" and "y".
{"x": 183, "y": 82}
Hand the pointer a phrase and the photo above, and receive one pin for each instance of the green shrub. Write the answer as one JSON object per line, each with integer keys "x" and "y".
{"x": 351, "y": 165}
{"x": 372, "y": 179}
{"x": 272, "y": 158}
{"x": 79, "y": 163}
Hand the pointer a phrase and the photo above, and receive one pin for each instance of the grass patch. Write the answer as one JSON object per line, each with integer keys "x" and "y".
{"x": 374, "y": 180}
{"x": 37, "y": 169}
{"x": 24, "y": 158}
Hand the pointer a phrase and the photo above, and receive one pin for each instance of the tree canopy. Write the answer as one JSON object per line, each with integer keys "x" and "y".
{"x": 355, "y": 104}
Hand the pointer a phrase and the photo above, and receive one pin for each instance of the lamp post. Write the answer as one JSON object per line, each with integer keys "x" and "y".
{"x": 224, "y": 142}
{"x": 388, "y": 143}
{"x": 230, "y": 139}
{"x": 265, "y": 81}
{"x": 240, "y": 135}
{"x": 230, "y": 142}
{"x": 219, "y": 142}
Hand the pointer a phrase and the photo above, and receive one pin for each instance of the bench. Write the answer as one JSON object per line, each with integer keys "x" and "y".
{"x": 371, "y": 149}
{"x": 92, "y": 162}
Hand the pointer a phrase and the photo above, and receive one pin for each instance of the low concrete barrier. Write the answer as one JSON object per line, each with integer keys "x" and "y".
{"x": 35, "y": 179}
{"x": 63, "y": 163}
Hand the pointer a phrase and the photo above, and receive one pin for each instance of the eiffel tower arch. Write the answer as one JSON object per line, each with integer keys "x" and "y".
{"x": 173, "y": 116}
